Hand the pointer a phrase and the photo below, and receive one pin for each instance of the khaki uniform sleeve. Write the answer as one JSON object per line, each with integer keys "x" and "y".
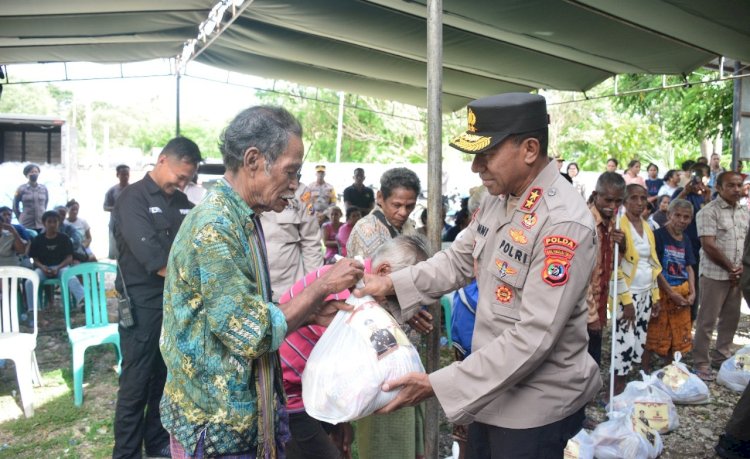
{"x": 463, "y": 388}
{"x": 448, "y": 270}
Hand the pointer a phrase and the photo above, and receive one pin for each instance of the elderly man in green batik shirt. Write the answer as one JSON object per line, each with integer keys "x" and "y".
{"x": 221, "y": 333}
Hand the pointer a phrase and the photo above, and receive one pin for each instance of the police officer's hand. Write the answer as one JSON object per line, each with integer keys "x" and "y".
{"x": 421, "y": 322}
{"x": 376, "y": 286}
{"x": 415, "y": 387}
{"x": 344, "y": 274}
{"x": 628, "y": 315}
{"x": 595, "y": 326}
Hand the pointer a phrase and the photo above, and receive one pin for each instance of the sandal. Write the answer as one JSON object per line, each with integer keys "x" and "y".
{"x": 706, "y": 374}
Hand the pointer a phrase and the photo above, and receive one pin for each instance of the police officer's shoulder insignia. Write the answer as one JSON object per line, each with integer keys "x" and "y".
{"x": 518, "y": 236}
{"x": 559, "y": 251}
{"x": 504, "y": 294}
{"x": 532, "y": 199}
{"x": 529, "y": 220}
{"x": 555, "y": 271}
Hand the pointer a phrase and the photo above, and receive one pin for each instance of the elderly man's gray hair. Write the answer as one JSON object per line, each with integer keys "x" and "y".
{"x": 679, "y": 204}
{"x": 610, "y": 181}
{"x": 264, "y": 127}
{"x": 401, "y": 251}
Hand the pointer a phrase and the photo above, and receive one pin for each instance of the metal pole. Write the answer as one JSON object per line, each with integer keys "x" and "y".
{"x": 177, "y": 107}
{"x": 340, "y": 128}
{"x": 736, "y": 116}
{"x": 434, "y": 197}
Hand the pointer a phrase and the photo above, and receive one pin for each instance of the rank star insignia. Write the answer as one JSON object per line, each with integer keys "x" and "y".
{"x": 504, "y": 294}
{"x": 531, "y": 199}
{"x": 518, "y": 236}
{"x": 504, "y": 269}
{"x": 529, "y": 220}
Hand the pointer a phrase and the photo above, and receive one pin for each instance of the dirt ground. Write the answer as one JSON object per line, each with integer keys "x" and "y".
{"x": 59, "y": 429}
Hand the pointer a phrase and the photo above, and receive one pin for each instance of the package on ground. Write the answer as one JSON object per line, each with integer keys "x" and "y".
{"x": 648, "y": 403}
{"x": 678, "y": 382}
{"x": 581, "y": 446}
{"x": 358, "y": 352}
{"x": 735, "y": 371}
{"x": 623, "y": 436}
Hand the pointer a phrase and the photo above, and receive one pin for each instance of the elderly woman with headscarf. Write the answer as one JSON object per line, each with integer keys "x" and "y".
{"x": 31, "y": 200}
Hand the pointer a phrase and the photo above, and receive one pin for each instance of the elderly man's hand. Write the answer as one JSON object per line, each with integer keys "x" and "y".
{"x": 415, "y": 387}
{"x": 344, "y": 274}
{"x": 375, "y": 286}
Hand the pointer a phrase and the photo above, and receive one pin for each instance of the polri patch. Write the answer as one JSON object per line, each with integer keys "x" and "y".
{"x": 532, "y": 199}
{"x": 558, "y": 252}
{"x": 555, "y": 271}
{"x": 513, "y": 252}
{"x": 504, "y": 294}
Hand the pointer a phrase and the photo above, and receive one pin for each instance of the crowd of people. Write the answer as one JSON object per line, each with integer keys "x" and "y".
{"x": 230, "y": 290}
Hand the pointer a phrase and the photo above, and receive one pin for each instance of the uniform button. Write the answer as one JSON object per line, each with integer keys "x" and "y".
{"x": 143, "y": 239}
{"x": 552, "y": 191}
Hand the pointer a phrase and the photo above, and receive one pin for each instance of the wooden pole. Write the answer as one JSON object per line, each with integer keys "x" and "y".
{"x": 177, "y": 106}
{"x": 434, "y": 198}
{"x": 736, "y": 116}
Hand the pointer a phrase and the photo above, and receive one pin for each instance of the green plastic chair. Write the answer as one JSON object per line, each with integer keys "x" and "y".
{"x": 98, "y": 330}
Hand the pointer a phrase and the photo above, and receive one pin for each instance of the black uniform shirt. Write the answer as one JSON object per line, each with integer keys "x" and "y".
{"x": 147, "y": 220}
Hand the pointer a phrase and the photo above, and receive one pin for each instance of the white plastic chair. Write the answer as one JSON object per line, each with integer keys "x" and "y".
{"x": 14, "y": 344}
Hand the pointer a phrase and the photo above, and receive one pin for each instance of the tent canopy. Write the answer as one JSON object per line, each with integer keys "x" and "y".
{"x": 378, "y": 47}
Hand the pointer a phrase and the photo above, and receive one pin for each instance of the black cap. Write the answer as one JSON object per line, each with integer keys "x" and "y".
{"x": 494, "y": 118}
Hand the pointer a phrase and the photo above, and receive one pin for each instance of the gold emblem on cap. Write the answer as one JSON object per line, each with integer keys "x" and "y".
{"x": 472, "y": 120}
{"x": 470, "y": 142}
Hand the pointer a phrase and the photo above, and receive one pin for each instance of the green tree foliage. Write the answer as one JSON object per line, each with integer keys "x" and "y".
{"x": 373, "y": 130}
{"x": 688, "y": 113}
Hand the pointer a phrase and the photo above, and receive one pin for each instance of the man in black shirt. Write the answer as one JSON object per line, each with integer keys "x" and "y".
{"x": 358, "y": 195}
{"x": 52, "y": 252}
{"x": 147, "y": 215}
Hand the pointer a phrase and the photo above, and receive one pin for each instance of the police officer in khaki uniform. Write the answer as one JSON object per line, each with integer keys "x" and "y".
{"x": 529, "y": 377}
{"x": 292, "y": 242}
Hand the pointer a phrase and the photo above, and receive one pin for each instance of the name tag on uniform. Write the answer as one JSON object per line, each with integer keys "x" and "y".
{"x": 184, "y": 211}
{"x": 155, "y": 210}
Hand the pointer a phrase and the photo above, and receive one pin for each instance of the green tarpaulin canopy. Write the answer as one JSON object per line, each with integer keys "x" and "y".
{"x": 378, "y": 47}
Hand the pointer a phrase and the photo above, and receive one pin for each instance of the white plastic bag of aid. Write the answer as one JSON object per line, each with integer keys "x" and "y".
{"x": 358, "y": 352}
{"x": 735, "y": 371}
{"x": 679, "y": 383}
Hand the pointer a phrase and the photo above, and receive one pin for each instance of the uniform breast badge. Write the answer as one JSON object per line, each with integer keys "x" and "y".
{"x": 504, "y": 294}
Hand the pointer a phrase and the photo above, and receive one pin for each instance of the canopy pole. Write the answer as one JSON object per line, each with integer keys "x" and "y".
{"x": 434, "y": 199}
{"x": 177, "y": 107}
